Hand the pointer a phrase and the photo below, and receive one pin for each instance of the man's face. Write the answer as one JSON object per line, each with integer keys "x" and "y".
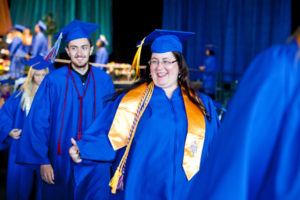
{"x": 79, "y": 51}
{"x": 37, "y": 28}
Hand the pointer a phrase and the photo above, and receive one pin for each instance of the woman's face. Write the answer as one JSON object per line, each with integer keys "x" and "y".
{"x": 38, "y": 76}
{"x": 164, "y": 70}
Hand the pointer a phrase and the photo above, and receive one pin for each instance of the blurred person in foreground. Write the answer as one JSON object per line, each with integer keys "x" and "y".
{"x": 256, "y": 155}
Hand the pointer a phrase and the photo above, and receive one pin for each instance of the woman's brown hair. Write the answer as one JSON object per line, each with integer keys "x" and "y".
{"x": 183, "y": 80}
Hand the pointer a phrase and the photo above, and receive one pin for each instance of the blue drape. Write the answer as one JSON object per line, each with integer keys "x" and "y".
{"x": 239, "y": 29}
{"x": 28, "y": 12}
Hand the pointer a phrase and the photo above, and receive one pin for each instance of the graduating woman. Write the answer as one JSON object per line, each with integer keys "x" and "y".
{"x": 161, "y": 127}
{"x": 20, "y": 178}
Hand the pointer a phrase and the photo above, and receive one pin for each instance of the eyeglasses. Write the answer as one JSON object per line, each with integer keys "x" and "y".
{"x": 164, "y": 63}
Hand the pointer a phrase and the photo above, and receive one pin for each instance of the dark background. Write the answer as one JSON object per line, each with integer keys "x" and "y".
{"x": 135, "y": 19}
{"x": 130, "y": 25}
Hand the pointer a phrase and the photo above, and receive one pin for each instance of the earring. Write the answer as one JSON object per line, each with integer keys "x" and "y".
{"x": 179, "y": 75}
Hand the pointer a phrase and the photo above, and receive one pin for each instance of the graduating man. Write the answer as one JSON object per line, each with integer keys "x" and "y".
{"x": 40, "y": 41}
{"x": 66, "y": 103}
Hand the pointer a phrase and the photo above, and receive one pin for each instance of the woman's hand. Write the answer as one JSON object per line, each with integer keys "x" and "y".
{"x": 74, "y": 152}
{"x": 47, "y": 173}
{"x": 15, "y": 133}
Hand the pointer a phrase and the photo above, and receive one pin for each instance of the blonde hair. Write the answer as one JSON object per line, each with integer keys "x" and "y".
{"x": 27, "y": 87}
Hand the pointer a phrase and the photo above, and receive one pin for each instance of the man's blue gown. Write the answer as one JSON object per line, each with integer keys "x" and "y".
{"x": 41, "y": 133}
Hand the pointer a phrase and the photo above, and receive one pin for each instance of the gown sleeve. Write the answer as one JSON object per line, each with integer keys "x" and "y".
{"x": 7, "y": 117}
{"x": 93, "y": 174}
{"x": 94, "y": 144}
{"x": 35, "y": 135}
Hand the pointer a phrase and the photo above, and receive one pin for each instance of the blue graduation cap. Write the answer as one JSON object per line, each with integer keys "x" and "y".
{"x": 211, "y": 47}
{"x": 166, "y": 40}
{"x": 19, "y": 27}
{"x": 42, "y": 25}
{"x": 161, "y": 41}
{"x": 77, "y": 29}
{"x": 38, "y": 63}
{"x": 4, "y": 81}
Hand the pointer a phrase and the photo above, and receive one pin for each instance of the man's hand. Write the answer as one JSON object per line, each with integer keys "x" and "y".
{"x": 47, "y": 173}
{"x": 15, "y": 133}
{"x": 74, "y": 152}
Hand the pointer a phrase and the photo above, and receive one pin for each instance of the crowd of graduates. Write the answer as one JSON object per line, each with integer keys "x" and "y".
{"x": 71, "y": 135}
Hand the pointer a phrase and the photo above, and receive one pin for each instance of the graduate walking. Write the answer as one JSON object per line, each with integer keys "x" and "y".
{"x": 40, "y": 41}
{"x": 21, "y": 179}
{"x": 158, "y": 132}
{"x": 67, "y": 102}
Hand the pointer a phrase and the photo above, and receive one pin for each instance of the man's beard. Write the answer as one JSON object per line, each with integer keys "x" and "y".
{"x": 79, "y": 65}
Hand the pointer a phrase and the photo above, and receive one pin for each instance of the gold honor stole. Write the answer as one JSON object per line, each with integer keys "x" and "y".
{"x": 126, "y": 119}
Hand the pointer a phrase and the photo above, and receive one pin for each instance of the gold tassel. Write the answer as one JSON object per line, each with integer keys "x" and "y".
{"x": 136, "y": 60}
{"x": 114, "y": 181}
{"x": 118, "y": 173}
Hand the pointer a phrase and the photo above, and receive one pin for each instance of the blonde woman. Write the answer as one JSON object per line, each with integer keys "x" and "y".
{"x": 20, "y": 178}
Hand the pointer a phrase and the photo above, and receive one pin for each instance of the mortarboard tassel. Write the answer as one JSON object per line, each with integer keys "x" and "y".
{"x": 136, "y": 60}
{"x": 58, "y": 148}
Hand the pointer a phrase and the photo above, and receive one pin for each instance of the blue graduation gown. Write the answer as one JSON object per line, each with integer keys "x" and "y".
{"x": 102, "y": 56}
{"x": 16, "y": 50}
{"x": 42, "y": 128}
{"x": 209, "y": 79}
{"x": 256, "y": 154}
{"x": 154, "y": 166}
{"x": 39, "y": 45}
{"x": 20, "y": 179}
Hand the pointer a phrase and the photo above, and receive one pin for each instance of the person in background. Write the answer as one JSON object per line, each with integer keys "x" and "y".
{"x": 211, "y": 68}
{"x": 67, "y": 102}
{"x": 102, "y": 54}
{"x": 16, "y": 53}
{"x": 4, "y": 46}
{"x": 21, "y": 180}
{"x": 256, "y": 153}
{"x": 27, "y": 40}
{"x": 9, "y": 36}
{"x": 4, "y": 90}
{"x": 40, "y": 41}
{"x": 161, "y": 127}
